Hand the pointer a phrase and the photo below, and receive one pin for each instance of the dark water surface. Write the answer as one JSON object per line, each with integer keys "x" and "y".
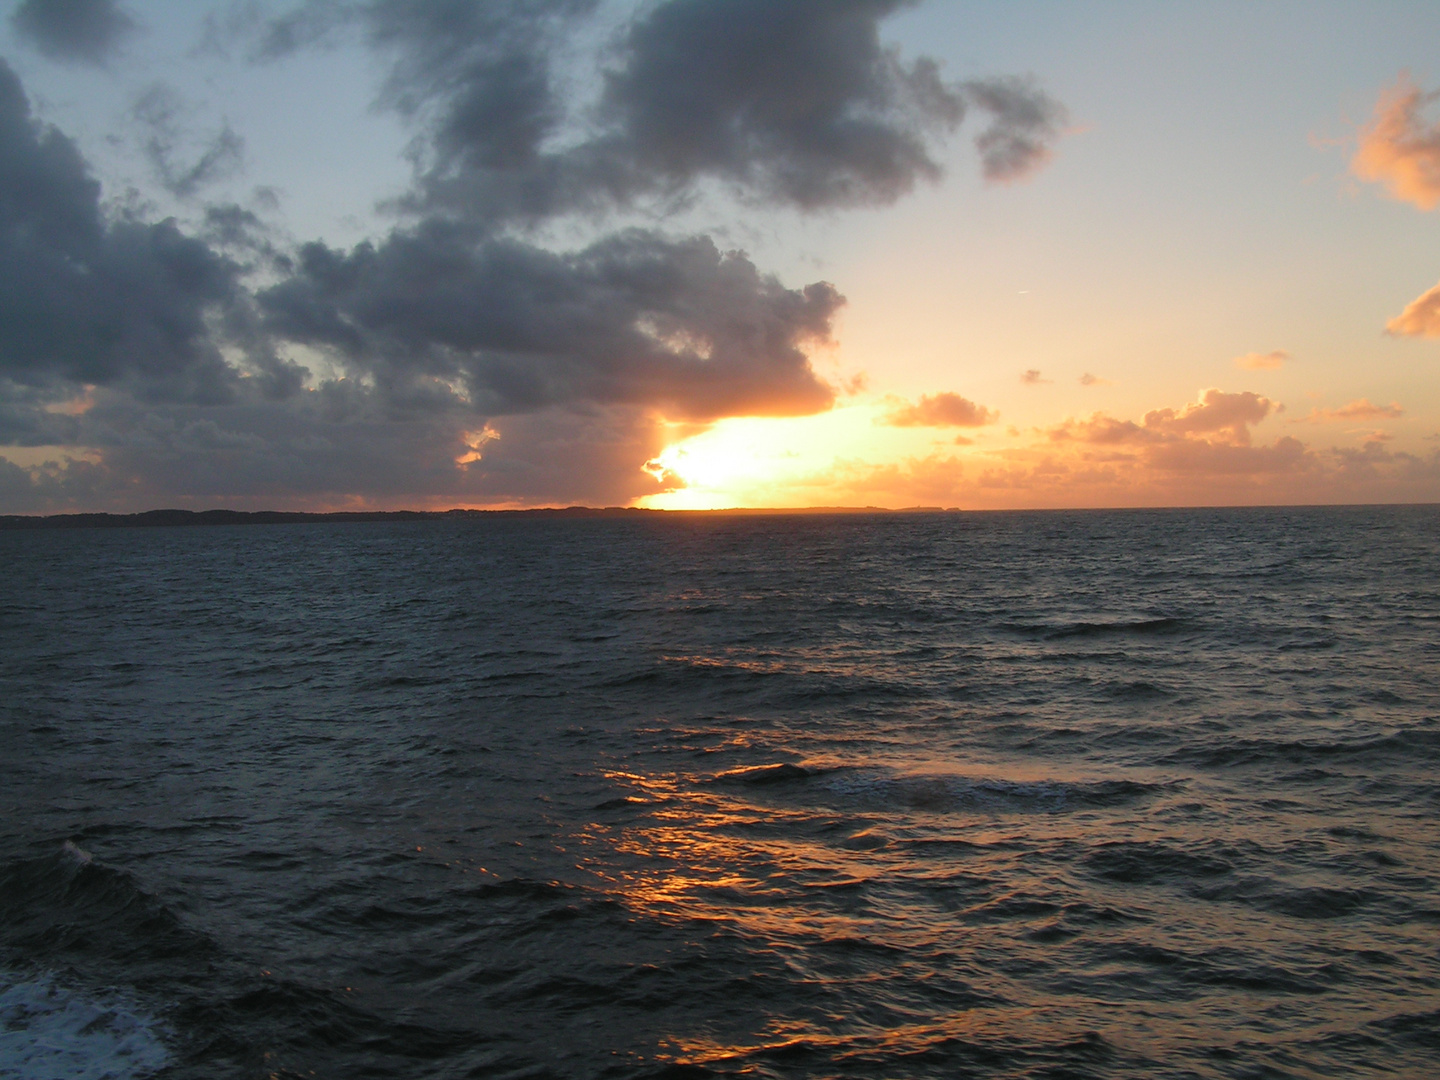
{"x": 1013, "y": 795}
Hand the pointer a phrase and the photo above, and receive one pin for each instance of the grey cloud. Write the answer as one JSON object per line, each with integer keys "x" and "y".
{"x": 115, "y": 333}
{"x": 159, "y": 111}
{"x": 479, "y": 72}
{"x": 796, "y": 99}
{"x": 89, "y": 301}
{"x": 306, "y": 26}
{"x": 340, "y": 444}
{"x": 1025, "y": 123}
{"x": 29, "y": 416}
{"x": 84, "y": 31}
{"x": 793, "y": 102}
{"x": 437, "y": 315}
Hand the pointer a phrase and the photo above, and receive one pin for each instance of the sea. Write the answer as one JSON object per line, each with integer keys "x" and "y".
{"x": 1146, "y": 793}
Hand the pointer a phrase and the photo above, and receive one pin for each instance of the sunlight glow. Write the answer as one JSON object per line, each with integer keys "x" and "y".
{"x": 781, "y": 462}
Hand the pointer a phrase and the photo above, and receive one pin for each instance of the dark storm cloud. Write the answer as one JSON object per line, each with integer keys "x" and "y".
{"x": 85, "y": 31}
{"x": 795, "y": 102}
{"x": 792, "y": 101}
{"x": 480, "y": 73}
{"x": 93, "y": 302}
{"x": 437, "y": 315}
{"x": 1025, "y": 123}
{"x": 340, "y": 444}
{"x": 797, "y": 99}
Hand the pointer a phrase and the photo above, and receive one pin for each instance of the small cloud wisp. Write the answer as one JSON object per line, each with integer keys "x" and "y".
{"x": 940, "y": 410}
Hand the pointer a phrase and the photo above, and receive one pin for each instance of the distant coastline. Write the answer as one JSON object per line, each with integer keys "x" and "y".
{"x": 190, "y": 518}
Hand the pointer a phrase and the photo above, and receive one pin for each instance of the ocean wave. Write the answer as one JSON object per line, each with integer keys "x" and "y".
{"x": 1410, "y": 745}
{"x": 67, "y": 903}
{"x": 1298, "y": 902}
{"x": 1060, "y": 630}
{"x": 870, "y": 788}
{"x": 1137, "y": 863}
{"x": 48, "y": 1031}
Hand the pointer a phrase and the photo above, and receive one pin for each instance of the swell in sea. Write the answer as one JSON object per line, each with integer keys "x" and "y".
{"x": 1081, "y": 794}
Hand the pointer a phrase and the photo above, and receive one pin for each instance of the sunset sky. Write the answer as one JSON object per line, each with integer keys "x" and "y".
{"x": 714, "y": 253}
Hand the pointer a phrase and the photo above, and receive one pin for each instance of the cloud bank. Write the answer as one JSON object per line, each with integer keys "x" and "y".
{"x": 458, "y": 357}
{"x": 1206, "y": 452}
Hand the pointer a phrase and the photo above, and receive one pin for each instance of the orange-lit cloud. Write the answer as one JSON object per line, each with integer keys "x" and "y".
{"x": 940, "y": 410}
{"x": 1031, "y": 377}
{"x": 1211, "y": 435}
{"x": 1093, "y": 380}
{"x": 1269, "y": 361}
{"x": 1421, "y": 318}
{"x": 474, "y": 442}
{"x": 1215, "y": 412}
{"x": 1359, "y": 409}
{"x": 1400, "y": 148}
{"x": 1207, "y": 452}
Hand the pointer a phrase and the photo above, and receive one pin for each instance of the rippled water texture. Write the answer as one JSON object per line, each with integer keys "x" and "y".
{"x": 1056, "y": 794}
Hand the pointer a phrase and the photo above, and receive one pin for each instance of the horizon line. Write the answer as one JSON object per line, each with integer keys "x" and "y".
{"x": 171, "y": 517}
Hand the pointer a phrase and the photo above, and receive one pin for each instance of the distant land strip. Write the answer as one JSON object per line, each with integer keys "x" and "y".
{"x": 173, "y": 518}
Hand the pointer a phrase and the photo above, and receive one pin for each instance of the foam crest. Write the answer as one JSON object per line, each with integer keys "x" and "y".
{"x": 48, "y": 1031}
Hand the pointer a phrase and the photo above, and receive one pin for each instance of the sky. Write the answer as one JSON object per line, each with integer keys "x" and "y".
{"x": 692, "y": 254}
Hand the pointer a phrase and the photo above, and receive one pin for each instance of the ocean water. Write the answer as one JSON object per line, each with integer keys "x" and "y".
{"x": 1103, "y": 794}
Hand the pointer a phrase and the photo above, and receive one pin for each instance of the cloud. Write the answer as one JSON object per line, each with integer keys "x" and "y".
{"x": 438, "y": 331}
{"x": 787, "y": 102}
{"x": 464, "y": 356}
{"x": 310, "y": 24}
{"x": 158, "y": 111}
{"x": 1025, "y": 123}
{"x": 940, "y": 410}
{"x": 437, "y": 317}
{"x": 1224, "y": 459}
{"x": 73, "y": 31}
{"x": 1421, "y": 317}
{"x": 1215, "y": 413}
{"x": 790, "y": 102}
{"x": 88, "y": 301}
{"x": 1218, "y": 417}
{"x": 1031, "y": 377}
{"x": 1399, "y": 148}
{"x": 1190, "y": 455}
{"x": 1270, "y": 361}
{"x": 1359, "y": 409}
{"x": 799, "y": 101}
{"x": 1093, "y": 380}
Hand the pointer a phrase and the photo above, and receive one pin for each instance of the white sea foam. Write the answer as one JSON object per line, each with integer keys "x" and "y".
{"x": 74, "y": 855}
{"x": 49, "y": 1031}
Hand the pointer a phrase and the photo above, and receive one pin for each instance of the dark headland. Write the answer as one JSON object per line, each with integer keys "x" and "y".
{"x": 174, "y": 518}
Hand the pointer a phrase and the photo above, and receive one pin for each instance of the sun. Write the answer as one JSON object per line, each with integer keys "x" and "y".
{"x": 764, "y": 461}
